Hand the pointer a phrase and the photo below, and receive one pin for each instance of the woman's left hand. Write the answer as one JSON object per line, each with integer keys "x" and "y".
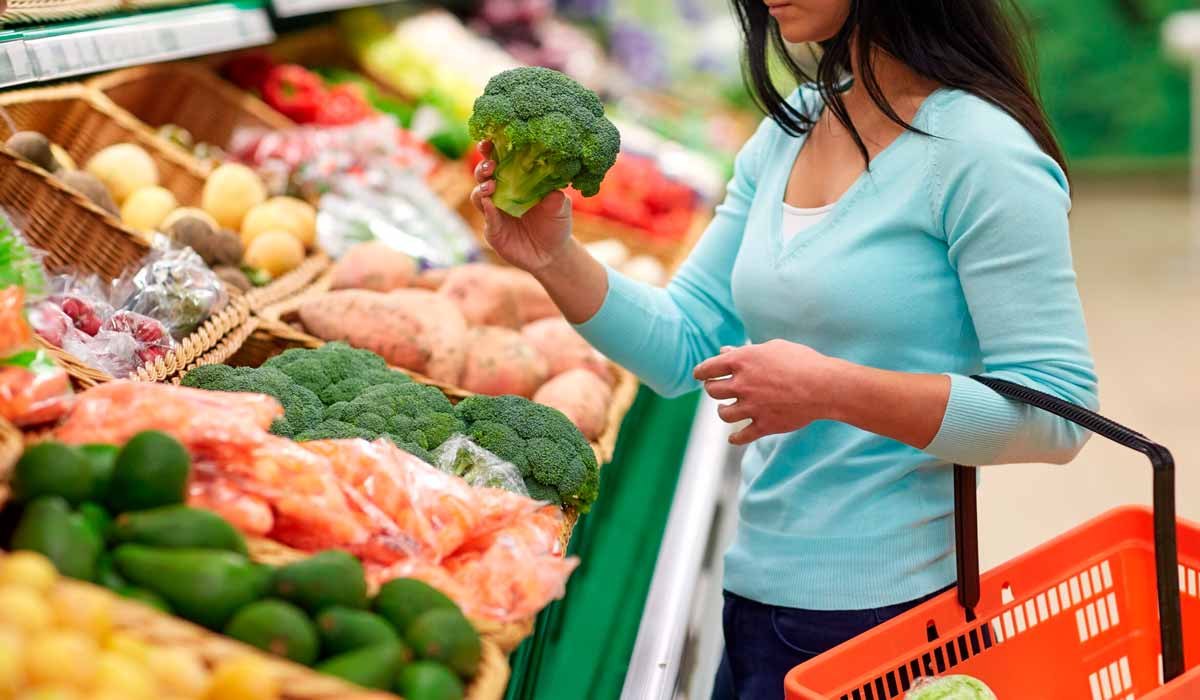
{"x": 779, "y": 386}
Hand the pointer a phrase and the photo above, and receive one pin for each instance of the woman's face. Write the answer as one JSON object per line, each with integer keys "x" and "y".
{"x": 809, "y": 20}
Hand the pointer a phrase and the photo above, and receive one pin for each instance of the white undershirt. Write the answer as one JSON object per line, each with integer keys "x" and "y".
{"x": 796, "y": 220}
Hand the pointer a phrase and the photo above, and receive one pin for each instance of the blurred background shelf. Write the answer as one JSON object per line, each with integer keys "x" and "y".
{"x": 296, "y": 8}
{"x": 50, "y": 52}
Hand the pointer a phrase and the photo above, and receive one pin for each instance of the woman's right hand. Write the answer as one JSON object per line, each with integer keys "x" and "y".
{"x": 532, "y": 242}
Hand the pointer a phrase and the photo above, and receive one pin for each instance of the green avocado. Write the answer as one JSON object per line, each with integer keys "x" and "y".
{"x": 331, "y": 577}
{"x": 97, "y": 518}
{"x": 106, "y": 573}
{"x": 427, "y": 680}
{"x": 144, "y": 597}
{"x": 150, "y": 471}
{"x": 401, "y": 600}
{"x": 371, "y": 667}
{"x": 276, "y": 627}
{"x": 445, "y": 636}
{"x": 48, "y": 526}
{"x": 101, "y": 459}
{"x": 53, "y": 469}
{"x": 345, "y": 629}
{"x": 178, "y": 526}
{"x": 206, "y": 586}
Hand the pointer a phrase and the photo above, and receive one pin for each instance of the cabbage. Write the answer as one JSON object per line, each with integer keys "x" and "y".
{"x": 950, "y": 688}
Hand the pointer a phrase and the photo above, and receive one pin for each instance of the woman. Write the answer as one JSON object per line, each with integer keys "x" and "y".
{"x": 897, "y": 224}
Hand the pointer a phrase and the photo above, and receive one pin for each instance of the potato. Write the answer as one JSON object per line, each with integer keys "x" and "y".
{"x": 33, "y": 147}
{"x": 124, "y": 168}
{"x": 230, "y": 192}
{"x": 145, "y": 209}
{"x": 375, "y": 266}
{"x": 564, "y": 349}
{"x": 305, "y": 213}
{"x": 274, "y": 252}
{"x": 410, "y": 328}
{"x": 533, "y": 302}
{"x": 90, "y": 186}
{"x": 581, "y": 396}
{"x": 197, "y": 212}
{"x": 501, "y": 361}
{"x": 270, "y": 217}
{"x": 484, "y": 295}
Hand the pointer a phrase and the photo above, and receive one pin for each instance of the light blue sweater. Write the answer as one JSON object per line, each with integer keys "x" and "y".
{"x": 950, "y": 256}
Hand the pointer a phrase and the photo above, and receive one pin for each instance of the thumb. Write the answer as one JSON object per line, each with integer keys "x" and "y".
{"x": 556, "y": 204}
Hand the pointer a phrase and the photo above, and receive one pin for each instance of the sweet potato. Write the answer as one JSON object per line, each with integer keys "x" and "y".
{"x": 564, "y": 349}
{"x": 483, "y": 294}
{"x": 431, "y": 279}
{"x": 375, "y": 266}
{"x": 501, "y": 361}
{"x": 411, "y": 328}
{"x": 533, "y": 302}
{"x": 581, "y": 396}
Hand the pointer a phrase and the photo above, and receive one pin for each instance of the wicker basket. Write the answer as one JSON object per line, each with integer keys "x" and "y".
{"x": 188, "y": 95}
{"x": 276, "y": 322}
{"x": 20, "y": 11}
{"x": 77, "y": 234}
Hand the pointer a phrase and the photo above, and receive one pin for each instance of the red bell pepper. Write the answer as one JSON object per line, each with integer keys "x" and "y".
{"x": 344, "y": 104}
{"x": 295, "y": 91}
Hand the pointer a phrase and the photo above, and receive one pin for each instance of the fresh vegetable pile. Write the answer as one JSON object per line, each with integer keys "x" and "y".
{"x": 495, "y": 553}
{"x": 639, "y": 195}
{"x": 298, "y": 93}
{"x": 116, "y": 517}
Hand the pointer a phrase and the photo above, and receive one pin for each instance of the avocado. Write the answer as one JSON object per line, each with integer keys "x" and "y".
{"x": 426, "y": 680}
{"x": 331, "y": 577}
{"x": 178, "y": 526}
{"x": 97, "y": 518}
{"x": 401, "y": 600}
{"x": 206, "y": 586}
{"x": 371, "y": 667}
{"x": 150, "y": 471}
{"x": 277, "y": 627}
{"x": 48, "y": 526}
{"x": 53, "y": 469}
{"x": 102, "y": 459}
{"x": 106, "y": 573}
{"x": 144, "y": 597}
{"x": 445, "y": 636}
{"x": 346, "y": 629}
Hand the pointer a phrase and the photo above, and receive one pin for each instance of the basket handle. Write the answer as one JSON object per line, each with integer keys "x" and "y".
{"x": 1166, "y": 556}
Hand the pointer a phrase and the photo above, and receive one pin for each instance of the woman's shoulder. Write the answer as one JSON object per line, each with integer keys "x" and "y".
{"x": 966, "y": 124}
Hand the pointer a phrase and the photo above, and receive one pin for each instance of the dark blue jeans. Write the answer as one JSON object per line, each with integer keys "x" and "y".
{"x": 764, "y": 642}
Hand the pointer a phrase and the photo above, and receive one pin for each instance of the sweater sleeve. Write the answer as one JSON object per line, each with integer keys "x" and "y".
{"x": 1003, "y": 209}
{"x": 661, "y": 334}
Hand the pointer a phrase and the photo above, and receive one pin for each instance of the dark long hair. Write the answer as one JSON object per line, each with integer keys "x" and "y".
{"x": 978, "y": 46}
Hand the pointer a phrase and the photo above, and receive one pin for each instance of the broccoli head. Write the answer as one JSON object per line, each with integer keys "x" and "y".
{"x": 548, "y": 131}
{"x": 408, "y": 413}
{"x": 335, "y": 371}
{"x": 302, "y": 409}
{"x": 549, "y": 451}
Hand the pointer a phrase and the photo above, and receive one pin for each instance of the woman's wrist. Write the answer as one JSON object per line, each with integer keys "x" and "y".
{"x": 576, "y": 282}
{"x": 843, "y": 385}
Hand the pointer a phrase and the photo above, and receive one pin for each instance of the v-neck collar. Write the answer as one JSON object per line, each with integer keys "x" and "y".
{"x": 785, "y": 249}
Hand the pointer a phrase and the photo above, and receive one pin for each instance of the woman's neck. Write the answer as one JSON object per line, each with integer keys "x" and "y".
{"x": 901, "y": 86}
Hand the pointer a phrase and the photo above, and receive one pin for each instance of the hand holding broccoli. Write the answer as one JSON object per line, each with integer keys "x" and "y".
{"x": 541, "y": 131}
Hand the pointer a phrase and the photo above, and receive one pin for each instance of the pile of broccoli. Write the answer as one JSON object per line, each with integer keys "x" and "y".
{"x": 338, "y": 392}
{"x": 548, "y": 131}
{"x": 554, "y": 458}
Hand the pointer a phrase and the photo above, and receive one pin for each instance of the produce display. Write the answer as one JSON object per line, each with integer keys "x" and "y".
{"x": 115, "y": 517}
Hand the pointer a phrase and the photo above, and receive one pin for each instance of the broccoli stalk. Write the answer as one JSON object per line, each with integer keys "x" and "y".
{"x": 547, "y": 131}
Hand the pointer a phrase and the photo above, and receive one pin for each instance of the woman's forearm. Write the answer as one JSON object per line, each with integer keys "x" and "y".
{"x": 576, "y": 282}
{"x": 903, "y": 406}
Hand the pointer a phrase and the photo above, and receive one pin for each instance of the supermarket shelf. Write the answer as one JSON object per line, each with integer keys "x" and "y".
{"x": 51, "y": 52}
{"x": 654, "y": 666}
{"x": 295, "y": 8}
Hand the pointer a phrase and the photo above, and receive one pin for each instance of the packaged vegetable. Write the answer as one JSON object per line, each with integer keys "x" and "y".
{"x": 478, "y": 467}
{"x": 173, "y": 286}
{"x": 956, "y": 687}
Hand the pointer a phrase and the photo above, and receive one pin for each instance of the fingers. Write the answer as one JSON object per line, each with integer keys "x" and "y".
{"x": 715, "y": 367}
{"x": 734, "y": 412}
{"x": 485, "y": 170}
{"x": 483, "y": 191}
{"x": 491, "y": 215}
{"x": 556, "y": 204}
{"x": 746, "y": 435}
{"x": 485, "y": 148}
{"x": 720, "y": 388}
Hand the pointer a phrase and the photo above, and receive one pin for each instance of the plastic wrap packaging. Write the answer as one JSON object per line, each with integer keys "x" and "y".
{"x": 958, "y": 687}
{"x": 33, "y": 389}
{"x": 172, "y": 285}
{"x": 478, "y": 467}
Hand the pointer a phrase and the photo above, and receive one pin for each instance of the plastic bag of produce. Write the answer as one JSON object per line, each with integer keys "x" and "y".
{"x": 478, "y": 467}
{"x": 958, "y": 687}
{"x": 172, "y": 285}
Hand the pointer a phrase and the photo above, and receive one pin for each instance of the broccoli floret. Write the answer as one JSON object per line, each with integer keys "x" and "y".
{"x": 408, "y": 413}
{"x": 334, "y": 430}
{"x": 549, "y": 451}
{"x": 348, "y": 389}
{"x": 539, "y": 492}
{"x": 415, "y": 450}
{"x": 548, "y": 131}
{"x": 335, "y": 371}
{"x": 302, "y": 409}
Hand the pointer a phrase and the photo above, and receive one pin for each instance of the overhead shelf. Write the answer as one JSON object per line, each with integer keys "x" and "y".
{"x": 51, "y": 52}
{"x": 295, "y": 8}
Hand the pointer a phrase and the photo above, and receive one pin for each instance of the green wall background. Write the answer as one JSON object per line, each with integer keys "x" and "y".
{"x": 1111, "y": 92}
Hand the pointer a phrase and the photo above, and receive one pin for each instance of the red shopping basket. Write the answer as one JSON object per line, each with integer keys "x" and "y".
{"x": 1077, "y": 618}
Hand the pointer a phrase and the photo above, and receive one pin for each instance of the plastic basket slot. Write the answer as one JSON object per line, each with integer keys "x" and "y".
{"x": 1111, "y": 680}
{"x": 1093, "y": 618}
{"x": 940, "y": 660}
{"x": 1188, "y": 583}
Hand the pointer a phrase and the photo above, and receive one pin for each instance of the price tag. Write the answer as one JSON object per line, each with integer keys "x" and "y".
{"x": 15, "y": 66}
